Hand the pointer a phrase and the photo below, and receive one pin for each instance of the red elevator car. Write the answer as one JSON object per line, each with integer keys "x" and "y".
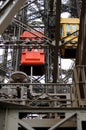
{"x": 32, "y": 56}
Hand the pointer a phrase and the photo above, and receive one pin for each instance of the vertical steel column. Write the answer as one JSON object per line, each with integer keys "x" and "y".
{"x": 57, "y": 39}
{"x": 11, "y": 120}
{"x": 81, "y": 57}
{"x": 79, "y": 126}
{"x": 84, "y": 32}
{"x": 51, "y": 5}
{"x": 2, "y": 119}
{"x": 81, "y": 117}
{"x": 18, "y": 50}
{"x": 81, "y": 49}
{"x": 78, "y": 7}
{"x": 5, "y": 57}
{"x": 47, "y": 66}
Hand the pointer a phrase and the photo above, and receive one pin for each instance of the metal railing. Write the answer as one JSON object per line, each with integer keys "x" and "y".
{"x": 47, "y": 95}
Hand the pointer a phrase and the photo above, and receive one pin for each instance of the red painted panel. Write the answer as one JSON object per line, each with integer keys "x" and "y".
{"x": 33, "y": 58}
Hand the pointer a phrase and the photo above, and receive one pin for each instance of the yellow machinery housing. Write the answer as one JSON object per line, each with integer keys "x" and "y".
{"x": 69, "y": 37}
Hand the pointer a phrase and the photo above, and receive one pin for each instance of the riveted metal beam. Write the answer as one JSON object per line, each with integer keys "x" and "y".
{"x": 7, "y": 13}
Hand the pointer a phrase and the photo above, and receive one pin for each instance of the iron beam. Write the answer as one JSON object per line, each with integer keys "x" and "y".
{"x": 8, "y": 13}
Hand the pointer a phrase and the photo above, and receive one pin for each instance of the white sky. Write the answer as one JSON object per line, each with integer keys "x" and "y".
{"x": 64, "y": 1}
{"x": 1, "y": 3}
{"x": 66, "y": 63}
{"x": 65, "y": 15}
